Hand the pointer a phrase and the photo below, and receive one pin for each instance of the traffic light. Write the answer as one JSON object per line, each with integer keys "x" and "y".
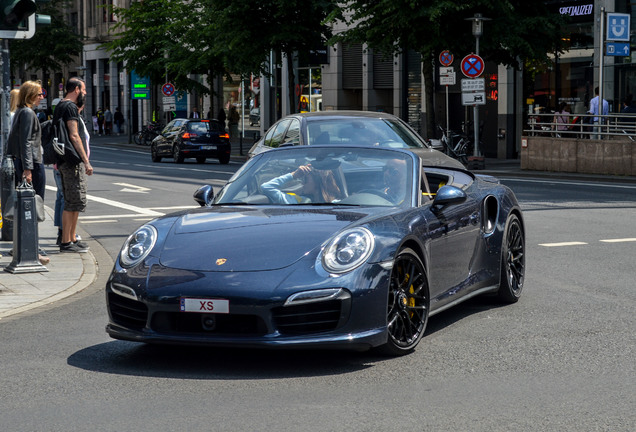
{"x": 18, "y": 19}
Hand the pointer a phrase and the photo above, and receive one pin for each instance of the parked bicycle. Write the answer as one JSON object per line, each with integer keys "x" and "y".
{"x": 456, "y": 145}
{"x": 147, "y": 133}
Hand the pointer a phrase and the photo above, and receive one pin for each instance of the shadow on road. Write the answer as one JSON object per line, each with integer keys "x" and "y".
{"x": 192, "y": 362}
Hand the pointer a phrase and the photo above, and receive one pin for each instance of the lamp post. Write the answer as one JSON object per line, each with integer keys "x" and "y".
{"x": 478, "y": 30}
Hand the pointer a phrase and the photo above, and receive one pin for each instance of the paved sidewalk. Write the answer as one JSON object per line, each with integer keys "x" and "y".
{"x": 71, "y": 273}
{"x": 67, "y": 274}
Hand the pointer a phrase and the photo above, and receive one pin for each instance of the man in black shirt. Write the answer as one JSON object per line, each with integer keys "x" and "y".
{"x": 73, "y": 175}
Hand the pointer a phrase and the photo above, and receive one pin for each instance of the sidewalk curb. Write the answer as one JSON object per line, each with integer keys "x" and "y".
{"x": 89, "y": 275}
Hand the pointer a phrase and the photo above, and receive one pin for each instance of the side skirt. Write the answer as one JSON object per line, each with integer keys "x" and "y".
{"x": 488, "y": 289}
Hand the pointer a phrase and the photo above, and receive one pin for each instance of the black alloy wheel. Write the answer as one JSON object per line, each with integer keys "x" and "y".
{"x": 177, "y": 155}
{"x": 408, "y": 304}
{"x": 513, "y": 261}
{"x": 154, "y": 155}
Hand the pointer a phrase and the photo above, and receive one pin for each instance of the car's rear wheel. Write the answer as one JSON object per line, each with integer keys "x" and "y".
{"x": 154, "y": 154}
{"x": 408, "y": 304}
{"x": 200, "y": 159}
{"x": 224, "y": 159}
{"x": 513, "y": 261}
{"x": 177, "y": 155}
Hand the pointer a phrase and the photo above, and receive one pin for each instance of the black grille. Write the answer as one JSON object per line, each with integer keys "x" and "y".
{"x": 309, "y": 318}
{"x": 127, "y": 312}
{"x": 197, "y": 323}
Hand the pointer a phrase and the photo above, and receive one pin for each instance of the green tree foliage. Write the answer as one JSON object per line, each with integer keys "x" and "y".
{"x": 519, "y": 30}
{"x": 214, "y": 37}
{"x": 247, "y": 30}
{"x": 52, "y": 47}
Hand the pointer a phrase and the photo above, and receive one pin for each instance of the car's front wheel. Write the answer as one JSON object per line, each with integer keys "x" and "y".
{"x": 154, "y": 155}
{"x": 408, "y": 304}
{"x": 177, "y": 155}
{"x": 513, "y": 261}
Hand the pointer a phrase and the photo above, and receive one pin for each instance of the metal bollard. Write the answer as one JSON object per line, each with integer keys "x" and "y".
{"x": 25, "y": 235}
{"x": 7, "y": 172}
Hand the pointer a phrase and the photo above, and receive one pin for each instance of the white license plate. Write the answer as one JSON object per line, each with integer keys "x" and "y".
{"x": 204, "y": 305}
{"x": 208, "y": 147}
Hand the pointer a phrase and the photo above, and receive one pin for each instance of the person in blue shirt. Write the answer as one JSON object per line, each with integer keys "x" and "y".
{"x": 594, "y": 109}
{"x": 318, "y": 186}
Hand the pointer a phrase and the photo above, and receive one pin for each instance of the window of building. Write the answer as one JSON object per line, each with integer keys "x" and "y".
{"x": 107, "y": 11}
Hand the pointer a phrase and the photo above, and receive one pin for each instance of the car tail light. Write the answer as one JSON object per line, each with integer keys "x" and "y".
{"x": 225, "y": 135}
{"x": 188, "y": 135}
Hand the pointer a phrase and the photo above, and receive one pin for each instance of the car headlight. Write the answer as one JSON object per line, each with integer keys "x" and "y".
{"x": 348, "y": 250}
{"x": 138, "y": 246}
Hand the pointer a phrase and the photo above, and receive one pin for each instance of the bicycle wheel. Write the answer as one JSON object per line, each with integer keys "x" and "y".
{"x": 137, "y": 138}
{"x": 461, "y": 151}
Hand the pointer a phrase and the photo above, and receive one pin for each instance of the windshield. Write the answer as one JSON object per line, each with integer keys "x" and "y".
{"x": 323, "y": 176}
{"x": 366, "y": 131}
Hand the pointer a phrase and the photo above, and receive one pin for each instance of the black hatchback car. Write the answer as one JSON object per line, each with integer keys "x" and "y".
{"x": 192, "y": 138}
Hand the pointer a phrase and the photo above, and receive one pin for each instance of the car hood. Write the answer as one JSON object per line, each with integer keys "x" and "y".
{"x": 234, "y": 239}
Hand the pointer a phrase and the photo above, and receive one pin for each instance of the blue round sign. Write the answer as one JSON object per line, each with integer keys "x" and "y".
{"x": 446, "y": 58}
{"x": 168, "y": 89}
{"x": 472, "y": 66}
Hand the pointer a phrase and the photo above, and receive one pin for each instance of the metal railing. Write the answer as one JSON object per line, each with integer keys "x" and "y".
{"x": 582, "y": 126}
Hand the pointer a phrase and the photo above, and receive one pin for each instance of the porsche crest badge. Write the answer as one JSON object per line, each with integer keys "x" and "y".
{"x": 221, "y": 261}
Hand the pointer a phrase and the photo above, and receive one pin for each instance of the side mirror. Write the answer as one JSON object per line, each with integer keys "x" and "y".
{"x": 447, "y": 195}
{"x": 204, "y": 195}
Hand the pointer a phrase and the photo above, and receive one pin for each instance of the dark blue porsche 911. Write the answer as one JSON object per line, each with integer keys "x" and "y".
{"x": 314, "y": 246}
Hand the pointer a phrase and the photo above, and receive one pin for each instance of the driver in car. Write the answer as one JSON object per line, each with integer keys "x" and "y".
{"x": 395, "y": 180}
{"x": 318, "y": 186}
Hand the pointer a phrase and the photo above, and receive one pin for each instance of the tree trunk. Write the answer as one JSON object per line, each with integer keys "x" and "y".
{"x": 292, "y": 83}
{"x": 429, "y": 85}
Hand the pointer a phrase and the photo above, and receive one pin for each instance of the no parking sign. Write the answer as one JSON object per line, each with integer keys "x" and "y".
{"x": 472, "y": 66}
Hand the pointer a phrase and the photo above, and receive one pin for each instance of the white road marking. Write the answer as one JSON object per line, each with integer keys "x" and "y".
{"x": 562, "y": 244}
{"x": 98, "y": 221}
{"x": 124, "y": 206}
{"x": 175, "y": 208}
{"x": 111, "y": 216}
{"x": 132, "y": 188}
{"x": 623, "y": 240}
{"x": 120, "y": 205}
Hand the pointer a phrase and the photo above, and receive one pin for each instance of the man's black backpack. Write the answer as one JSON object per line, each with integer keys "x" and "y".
{"x": 56, "y": 144}
{"x": 52, "y": 145}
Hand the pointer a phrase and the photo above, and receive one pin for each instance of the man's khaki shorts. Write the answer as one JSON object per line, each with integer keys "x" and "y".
{"x": 74, "y": 186}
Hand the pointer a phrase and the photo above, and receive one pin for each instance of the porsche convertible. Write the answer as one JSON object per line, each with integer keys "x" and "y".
{"x": 319, "y": 247}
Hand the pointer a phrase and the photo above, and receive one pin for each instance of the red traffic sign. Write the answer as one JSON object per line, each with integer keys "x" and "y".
{"x": 446, "y": 58}
{"x": 472, "y": 66}
{"x": 168, "y": 89}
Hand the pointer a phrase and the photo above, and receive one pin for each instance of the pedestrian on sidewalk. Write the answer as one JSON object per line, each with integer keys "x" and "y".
{"x": 119, "y": 120}
{"x": 233, "y": 122}
{"x": 100, "y": 121}
{"x": 73, "y": 175}
{"x": 108, "y": 121}
{"x": 222, "y": 117}
{"x": 25, "y": 143}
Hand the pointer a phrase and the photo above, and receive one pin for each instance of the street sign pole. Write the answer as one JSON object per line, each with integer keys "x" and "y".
{"x": 601, "y": 61}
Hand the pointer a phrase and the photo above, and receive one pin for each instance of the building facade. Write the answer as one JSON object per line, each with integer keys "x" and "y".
{"x": 355, "y": 77}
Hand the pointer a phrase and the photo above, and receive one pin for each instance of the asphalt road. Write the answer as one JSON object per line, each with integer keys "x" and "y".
{"x": 562, "y": 358}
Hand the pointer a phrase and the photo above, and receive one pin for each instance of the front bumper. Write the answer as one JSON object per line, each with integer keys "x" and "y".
{"x": 258, "y": 315}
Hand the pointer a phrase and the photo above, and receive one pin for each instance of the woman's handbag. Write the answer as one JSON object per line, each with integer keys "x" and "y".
{"x": 9, "y": 210}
